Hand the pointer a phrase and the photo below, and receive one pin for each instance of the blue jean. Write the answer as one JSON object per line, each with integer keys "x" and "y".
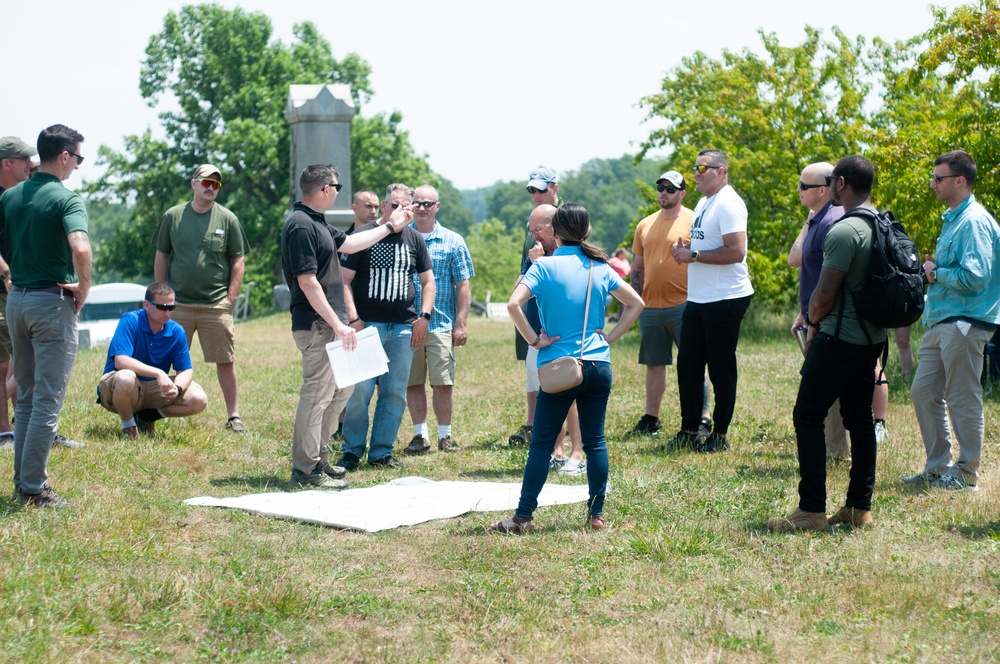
{"x": 591, "y": 397}
{"x": 391, "y": 401}
{"x": 44, "y": 337}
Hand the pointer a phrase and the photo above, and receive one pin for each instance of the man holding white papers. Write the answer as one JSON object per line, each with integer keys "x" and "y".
{"x": 311, "y": 266}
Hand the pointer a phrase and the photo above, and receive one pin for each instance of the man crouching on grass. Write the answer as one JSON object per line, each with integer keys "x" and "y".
{"x": 135, "y": 383}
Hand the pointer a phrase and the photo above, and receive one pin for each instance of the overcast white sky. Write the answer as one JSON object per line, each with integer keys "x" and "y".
{"x": 488, "y": 90}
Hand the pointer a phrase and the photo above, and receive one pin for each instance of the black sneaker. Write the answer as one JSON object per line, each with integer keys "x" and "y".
{"x": 704, "y": 427}
{"x": 682, "y": 441}
{"x": 714, "y": 443}
{"x": 647, "y": 426}
{"x": 522, "y": 437}
{"x": 349, "y": 461}
{"x": 387, "y": 461}
{"x": 47, "y": 498}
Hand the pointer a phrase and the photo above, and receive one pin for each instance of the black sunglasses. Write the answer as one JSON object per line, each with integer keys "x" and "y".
{"x": 536, "y": 190}
{"x": 335, "y": 186}
{"x": 806, "y": 187}
{"x": 79, "y": 159}
{"x": 162, "y": 307}
{"x": 425, "y": 204}
{"x": 669, "y": 188}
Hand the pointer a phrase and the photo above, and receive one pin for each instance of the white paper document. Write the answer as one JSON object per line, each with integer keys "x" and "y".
{"x": 366, "y": 361}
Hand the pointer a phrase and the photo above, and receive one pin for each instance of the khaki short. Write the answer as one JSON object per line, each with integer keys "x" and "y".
{"x": 214, "y": 325}
{"x": 4, "y": 331}
{"x": 436, "y": 354}
{"x": 145, "y": 396}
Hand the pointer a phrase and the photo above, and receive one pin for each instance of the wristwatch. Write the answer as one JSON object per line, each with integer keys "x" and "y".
{"x": 424, "y": 314}
{"x": 694, "y": 256}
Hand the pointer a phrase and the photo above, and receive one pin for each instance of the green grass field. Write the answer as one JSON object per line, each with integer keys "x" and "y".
{"x": 686, "y": 570}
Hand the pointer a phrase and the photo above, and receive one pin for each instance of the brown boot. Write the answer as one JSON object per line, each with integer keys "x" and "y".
{"x": 853, "y": 517}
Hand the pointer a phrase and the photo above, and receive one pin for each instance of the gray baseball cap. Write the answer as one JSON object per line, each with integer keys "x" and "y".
{"x": 12, "y": 146}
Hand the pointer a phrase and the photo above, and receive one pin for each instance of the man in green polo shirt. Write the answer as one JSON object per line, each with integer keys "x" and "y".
{"x": 45, "y": 226}
{"x": 200, "y": 248}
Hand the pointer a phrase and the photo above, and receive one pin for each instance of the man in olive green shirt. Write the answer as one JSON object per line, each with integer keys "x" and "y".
{"x": 200, "y": 248}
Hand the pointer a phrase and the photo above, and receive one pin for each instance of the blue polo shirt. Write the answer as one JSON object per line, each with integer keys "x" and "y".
{"x": 559, "y": 284}
{"x": 134, "y": 338}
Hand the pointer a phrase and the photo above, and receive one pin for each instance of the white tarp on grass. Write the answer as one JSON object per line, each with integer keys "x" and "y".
{"x": 402, "y": 502}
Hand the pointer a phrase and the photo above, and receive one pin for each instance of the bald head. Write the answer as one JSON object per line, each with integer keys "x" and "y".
{"x": 816, "y": 193}
{"x": 540, "y": 226}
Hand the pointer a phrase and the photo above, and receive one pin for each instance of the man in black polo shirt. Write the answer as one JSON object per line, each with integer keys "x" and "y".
{"x": 311, "y": 267}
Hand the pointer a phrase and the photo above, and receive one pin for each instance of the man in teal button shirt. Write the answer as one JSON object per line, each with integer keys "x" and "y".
{"x": 961, "y": 314}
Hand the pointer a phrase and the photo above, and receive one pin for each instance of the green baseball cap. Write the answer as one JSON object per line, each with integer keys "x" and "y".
{"x": 12, "y": 146}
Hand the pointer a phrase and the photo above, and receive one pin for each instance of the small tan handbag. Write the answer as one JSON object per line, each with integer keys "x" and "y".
{"x": 565, "y": 373}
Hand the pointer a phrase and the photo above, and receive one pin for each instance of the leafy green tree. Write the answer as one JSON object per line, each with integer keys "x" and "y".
{"x": 496, "y": 255}
{"x": 940, "y": 94}
{"x": 226, "y": 82}
{"x": 772, "y": 115}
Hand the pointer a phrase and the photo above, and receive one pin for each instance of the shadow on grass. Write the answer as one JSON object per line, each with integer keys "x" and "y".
{"x": 258, "y": 482}
{"x": 494, "y": 474}
{"x": 783, "y": 472}
{"x": 988, "y": 531}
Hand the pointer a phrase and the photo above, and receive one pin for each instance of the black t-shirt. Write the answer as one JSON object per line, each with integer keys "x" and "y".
{"x": 383, "y": 284}
{"x": 309, "y": 245}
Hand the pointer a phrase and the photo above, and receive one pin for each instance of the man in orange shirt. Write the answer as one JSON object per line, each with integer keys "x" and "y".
{"x": 662, "y": 282}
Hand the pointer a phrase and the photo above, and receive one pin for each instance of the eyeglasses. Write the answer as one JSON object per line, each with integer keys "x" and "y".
{"x": 936, "y": 179}
{"x": 670, "y": 189}
{"x": 209, "y": 183}
{"x": 16, "y": 157}
{"x": 336, "y": 186}
{"x": 162, "y": 307}
{"x": 79, "y": 159}
{"x": 806, "y": 187}
{"x": 536, "y": 231}
{"x": 425, "y": 204}
{"x": 701, "y": 168}
{"x": 536, "y": 190}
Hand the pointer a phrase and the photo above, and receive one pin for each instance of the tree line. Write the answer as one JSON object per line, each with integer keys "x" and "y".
{"x": 900, "y": 104}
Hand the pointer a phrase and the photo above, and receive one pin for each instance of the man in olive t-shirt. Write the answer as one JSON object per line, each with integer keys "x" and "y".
{"x": 200, "y": 247}
{"x": 840, "y": 362}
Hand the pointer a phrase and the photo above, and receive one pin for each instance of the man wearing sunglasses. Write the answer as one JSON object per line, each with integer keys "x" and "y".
{"x": 48, "y": 245}
{"x": 662, "y": 282}
{"x": 719, "y": 292}
{"x": 136, "y": 383}
{"x": 200, "y": 248}
{"x": 15, "y": 167}
{"x": 311, "y": 267}
{"x": 543, "y": 187}
{"x": 435, "y": 358}
{"x": 383, "y": 295}
{"x": 962, "y": 312}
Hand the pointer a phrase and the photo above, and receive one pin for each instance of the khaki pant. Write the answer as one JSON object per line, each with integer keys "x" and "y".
{"x": 320, "y": 402}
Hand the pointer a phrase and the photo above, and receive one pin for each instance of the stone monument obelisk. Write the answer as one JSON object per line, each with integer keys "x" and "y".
{"x": 320, "y": 117}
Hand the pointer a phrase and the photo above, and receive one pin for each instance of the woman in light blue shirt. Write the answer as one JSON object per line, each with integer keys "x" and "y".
{"x": 559, "y": 285}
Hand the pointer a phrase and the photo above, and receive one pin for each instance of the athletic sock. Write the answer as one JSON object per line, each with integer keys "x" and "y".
{"x": 444, "y": 430}
{"x": 421, "y": 430}
{"x": 130, "y": 422}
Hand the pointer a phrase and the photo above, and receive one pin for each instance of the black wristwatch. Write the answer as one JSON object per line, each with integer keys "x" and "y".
{"x": 424, "y": 314}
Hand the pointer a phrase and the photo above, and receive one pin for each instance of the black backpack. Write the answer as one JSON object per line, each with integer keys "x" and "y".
{"x": 893, "y": 293}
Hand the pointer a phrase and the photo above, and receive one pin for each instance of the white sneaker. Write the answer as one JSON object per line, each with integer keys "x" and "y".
{"x": 573, "y": 467}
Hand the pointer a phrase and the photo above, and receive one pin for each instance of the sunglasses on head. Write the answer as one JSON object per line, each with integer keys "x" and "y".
{"x": 162, "y": 307}
{"x": 425, "y": 204}
{"x": 209, "y": 183}
{"x": 536, "y": 190}
{"x": 669, "y": 188}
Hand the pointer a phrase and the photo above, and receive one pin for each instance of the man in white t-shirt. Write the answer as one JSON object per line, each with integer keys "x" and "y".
{"x": 719, "y": 293}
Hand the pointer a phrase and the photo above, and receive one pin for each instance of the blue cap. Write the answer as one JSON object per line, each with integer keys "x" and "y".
{"x": 541, "y": 178}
